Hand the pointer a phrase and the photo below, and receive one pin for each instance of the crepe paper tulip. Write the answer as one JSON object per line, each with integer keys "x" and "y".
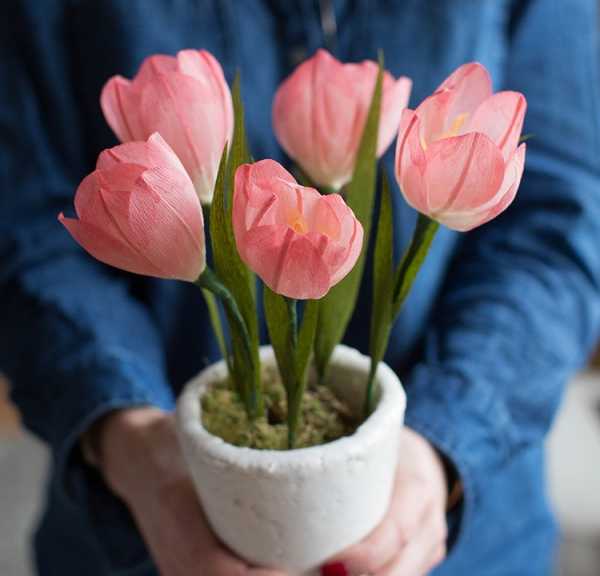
{"x": 187, "y": 100}
{"x": 138, "y": 211}
{"x": 458, "y": 158}
{"x": 320, "y": 110}
{"x": 299, "y": 242}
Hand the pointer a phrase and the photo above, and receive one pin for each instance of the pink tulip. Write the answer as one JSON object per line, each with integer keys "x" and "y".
{"x": 299, "y": 242}
{"x": 320, "y": 111}
{"x": 138, "y": 211}
{"x": 186, "y": 100}
{"x": 458, "y": 158}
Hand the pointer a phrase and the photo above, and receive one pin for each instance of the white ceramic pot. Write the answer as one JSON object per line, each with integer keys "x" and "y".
{"x": 294, "y": 509}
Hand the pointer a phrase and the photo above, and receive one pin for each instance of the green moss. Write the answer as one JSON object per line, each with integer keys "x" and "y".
{"x": 324, "y": 417}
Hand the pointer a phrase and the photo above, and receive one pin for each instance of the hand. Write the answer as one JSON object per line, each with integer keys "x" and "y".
{"x": 142, "y": 464}
{"x": 411, "y": 539}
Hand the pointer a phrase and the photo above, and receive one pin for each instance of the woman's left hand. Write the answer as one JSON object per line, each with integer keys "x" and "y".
{"x": 411, "y": 539}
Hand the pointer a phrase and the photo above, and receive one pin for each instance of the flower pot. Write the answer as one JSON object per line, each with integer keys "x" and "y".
{"x": 294, "y": 509}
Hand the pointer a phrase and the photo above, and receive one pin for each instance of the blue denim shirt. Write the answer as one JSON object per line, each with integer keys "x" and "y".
{"x": 499, "y": 318}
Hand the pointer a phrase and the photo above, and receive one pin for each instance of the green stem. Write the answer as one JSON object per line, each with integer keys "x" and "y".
{"x": 412, "y": 260}
{"x": 369, "y": 396}
{"x": 404, "y": 277}
{"x": 217, "y": 326}
{"x": 213, "y": 306}
{"x": 293, "y": 398}
{"x": 293, "y": 317}
{"x": 208, "y": 280}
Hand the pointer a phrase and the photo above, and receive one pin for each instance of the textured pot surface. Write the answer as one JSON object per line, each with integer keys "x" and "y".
{"x": 295, "y": 509}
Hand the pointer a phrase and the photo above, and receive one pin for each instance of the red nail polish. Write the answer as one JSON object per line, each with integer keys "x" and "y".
{"x": 335, "y": 569}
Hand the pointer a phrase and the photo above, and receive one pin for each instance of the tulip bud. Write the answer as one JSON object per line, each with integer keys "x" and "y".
{"x": 320, "y": 111}
{"x": 184, "y": 98}
{"x": 299, "y": 242}
{"x": 458, "y": 158}
{"x": 138, "y": 211}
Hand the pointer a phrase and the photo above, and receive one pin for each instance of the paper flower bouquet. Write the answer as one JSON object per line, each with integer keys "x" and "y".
{"x": 281, "y": 440}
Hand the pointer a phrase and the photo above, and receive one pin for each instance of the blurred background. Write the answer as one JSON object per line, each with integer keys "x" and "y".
{"x": 573, "y": 462}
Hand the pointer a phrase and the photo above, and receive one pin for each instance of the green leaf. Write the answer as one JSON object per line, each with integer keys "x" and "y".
{"x": 383, "y": 287}
{"x": 239, "y": 152}
{"x": 336, "y": 308}
{"x": 209, "y": 281}
{"x": 302, "y": 354}
{"x": 306, "y": 338}
{"x": 280, "y": 334}
{"x": 412, "y": 260}
{"x": 292, "y": 350}
{"x": 231, "y": 270}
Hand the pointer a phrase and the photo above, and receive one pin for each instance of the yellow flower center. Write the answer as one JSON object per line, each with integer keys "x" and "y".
{"x": 454, "y": 129}
{"x": 297, "y": 222}
{"x": 456, "y": 126}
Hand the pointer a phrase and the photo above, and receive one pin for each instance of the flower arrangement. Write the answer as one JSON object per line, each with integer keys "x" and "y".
{"x": 184, "y": 173}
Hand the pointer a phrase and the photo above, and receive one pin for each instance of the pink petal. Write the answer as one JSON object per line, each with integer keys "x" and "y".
{"x": 163, "y": 172}
{"x": 186, "y": 115}
{"x": 303, "y": 274}
{"x": 471, "y": 85}
{"x": 203, "y": 66}
{"x": 154, "y": 152}
{"x": 457, "y": 97}
{"x": 252, "y": 205}
{"x": 327, "y": 215}
{"x": 342, "y": 97}
{"x": 467, "y": 220}
{"x": 339, "y": 121}
{"x": 179, "y": 194}
{"x": 266, "y": 171}
{"x": 434, "y": 116}
{"x": 351, "y": 244}
{"x": 158, "y": 231}
{"x": 249, "y": 202}
{"x": 106, "y": 248}
{"x": 89, "y": 204}
{"x": 153, "y": 66}
{"x": 508, "y": 189}
{"x": 462, "y": 173}
{"x": 501, "y": 118}
{"x": 113, "y": 102}
{"x": 396, "y": 94}
{"x": 288, "y": 263}
{"x": 293, "y": 117}
{"x": 410, "y": 162}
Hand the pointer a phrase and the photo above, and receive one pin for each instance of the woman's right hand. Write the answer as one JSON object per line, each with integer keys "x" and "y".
{"x": 141, "y": 461}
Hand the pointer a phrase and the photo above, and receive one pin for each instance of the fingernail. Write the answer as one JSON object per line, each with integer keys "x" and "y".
{"x": 334, "y": 569}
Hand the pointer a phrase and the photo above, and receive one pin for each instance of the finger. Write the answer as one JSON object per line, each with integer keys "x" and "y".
{"x": 407, "y": 508}
{"x": 220, "y": 562}
{"x": 264, "y": 572}
{"x": 424, "y": 551}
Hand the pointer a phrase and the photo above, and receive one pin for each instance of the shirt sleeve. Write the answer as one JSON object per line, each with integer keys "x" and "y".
{"x": 73, "y": 340}
{"x": 520, "y": 310}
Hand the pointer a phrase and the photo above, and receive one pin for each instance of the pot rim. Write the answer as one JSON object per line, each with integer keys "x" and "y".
{"x": 389, "y": 412}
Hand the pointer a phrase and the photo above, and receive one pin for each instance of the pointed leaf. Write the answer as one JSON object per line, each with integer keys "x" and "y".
{"x": 306, "y": 338}
{"x": 383, "y": 274}
{"x": 281, "y": 337}
{"x": 231, "y": 270}
{"x": 383, "y": 286}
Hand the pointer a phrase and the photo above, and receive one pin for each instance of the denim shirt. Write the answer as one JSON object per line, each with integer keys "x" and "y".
{"x": 497, "y": 322}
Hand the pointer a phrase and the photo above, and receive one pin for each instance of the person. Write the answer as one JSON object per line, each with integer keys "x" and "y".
{"x": 499, "y": 320}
